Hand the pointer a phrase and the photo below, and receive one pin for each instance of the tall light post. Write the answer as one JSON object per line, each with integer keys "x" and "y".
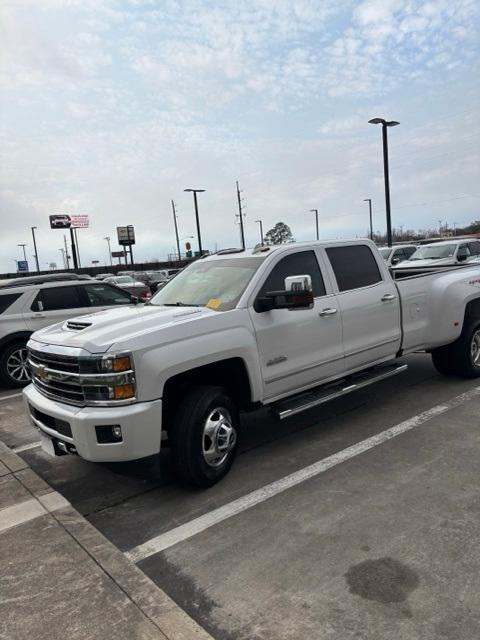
{"x": 35, "y": 247}
{"x": 24, "y": 252}
{"x": 174, "y": 211}
{"x": 385, "y": 124}
{"x": 199, "y": 237}
{"x": 315, "y": 211}
{"x": 261, "y": 231}
{"x": 62, "y": 250}
{"x": 107, "y": 238}
{"x": 369, "y": 200}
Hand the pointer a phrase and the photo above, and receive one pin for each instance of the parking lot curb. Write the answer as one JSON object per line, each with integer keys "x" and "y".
{"x": 170, "y": 619}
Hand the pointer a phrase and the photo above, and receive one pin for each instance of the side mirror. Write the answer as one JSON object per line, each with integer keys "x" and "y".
{"x": 285, "y": 300}
{"x": 396, "y": 259}
{"x": 134, "y": 299}
{"x": 461, "y": 257}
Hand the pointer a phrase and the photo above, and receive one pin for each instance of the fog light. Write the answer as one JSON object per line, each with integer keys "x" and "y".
{"x": 123, "y": 391}
{"x": 117, "y": 431}
{"x": 109, "y": 433}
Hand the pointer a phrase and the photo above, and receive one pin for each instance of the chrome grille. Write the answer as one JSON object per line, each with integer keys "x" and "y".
{"x": 67, "y": 364}
{"x": 57, "y": 377}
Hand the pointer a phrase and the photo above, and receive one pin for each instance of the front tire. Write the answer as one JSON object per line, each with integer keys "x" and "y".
{"x": 204, "y": 436}
{"x": 14, "y": 371}
{"x": 462, "y": 357}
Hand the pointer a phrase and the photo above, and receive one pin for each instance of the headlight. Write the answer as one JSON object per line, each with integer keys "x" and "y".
{"x": 108, "y": 379}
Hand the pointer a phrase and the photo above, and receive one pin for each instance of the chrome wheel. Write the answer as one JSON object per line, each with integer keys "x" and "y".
{"x": 219, "y": 437}
{"x": 17, "y": 366}
{"x": 475, "y": 348}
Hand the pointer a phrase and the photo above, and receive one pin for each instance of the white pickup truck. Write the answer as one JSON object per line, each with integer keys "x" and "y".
{"x": 288, "y": 327}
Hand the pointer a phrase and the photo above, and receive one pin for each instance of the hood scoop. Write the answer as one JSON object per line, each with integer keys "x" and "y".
{"x": 75, "y": 325}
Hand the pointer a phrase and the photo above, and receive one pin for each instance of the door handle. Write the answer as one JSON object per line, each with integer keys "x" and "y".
{"x": 329, "y": 311}
{"x": 388, "y": 296}
{"x": 38, "y": 315}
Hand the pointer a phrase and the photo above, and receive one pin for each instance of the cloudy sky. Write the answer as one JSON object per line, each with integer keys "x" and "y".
{"x": 112, "y": 107}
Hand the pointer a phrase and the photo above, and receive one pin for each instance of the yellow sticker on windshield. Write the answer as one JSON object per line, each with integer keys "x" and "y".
{"x": 214, "y": 303}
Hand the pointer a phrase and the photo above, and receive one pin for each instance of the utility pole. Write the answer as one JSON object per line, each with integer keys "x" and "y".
{"x": 369, "y": 200}
{"x": 176, "y": 230}
{"x": 35, "y": 248}
{"x": 67, "y": 257}
{"x": 316, "y": 221}
{"x": 63, "y": 256}
{"x": 240, "y": 213}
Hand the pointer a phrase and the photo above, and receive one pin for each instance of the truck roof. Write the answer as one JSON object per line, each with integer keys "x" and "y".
{"x": 265, "y": 250}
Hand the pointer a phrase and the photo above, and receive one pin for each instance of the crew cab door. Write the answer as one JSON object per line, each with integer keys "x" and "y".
{"x": 298, "y": 347}
{"x": 369, "y": 304}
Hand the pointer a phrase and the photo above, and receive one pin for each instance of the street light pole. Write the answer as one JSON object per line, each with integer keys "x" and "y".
{"x": 107, "y": 238}
{"x": 24, "y": 252}
{"x": 195, "y": 191}
{"x": 176, "y": 230}
{"x": 67, "y": 257}
{"x": 240, "y": 215}
{"x": 369, "y": 200}
{"x": 385, "y": 124}
{"x": 261, "y": 231}
{"x": 316, "y": 221}
{"x": 35, "y": 248}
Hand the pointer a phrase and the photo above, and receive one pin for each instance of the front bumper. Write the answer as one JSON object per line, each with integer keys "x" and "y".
{"x": 141, "y": 425}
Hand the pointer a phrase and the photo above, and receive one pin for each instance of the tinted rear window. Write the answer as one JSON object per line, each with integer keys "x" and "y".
{"x": 8, "y": 299}
{"x": 60, "y": 298}
{"x": 354, "y": 267}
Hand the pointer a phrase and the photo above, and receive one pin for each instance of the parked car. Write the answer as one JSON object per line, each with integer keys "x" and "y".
{"x": 47, "y": 277}
{"x": 287, "y": 327}
{"x": 398, "y": 253}
{"x": 447, "y": 252}
{"x": 134, "y": 287}
{"x": 29, "y": 306}
{"x": 102, "y": 276}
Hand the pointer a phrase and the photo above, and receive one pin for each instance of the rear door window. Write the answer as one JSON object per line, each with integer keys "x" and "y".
{"x": 354, "y": 266}
{"x": 58, "y": 298}
{"x": 7, "y": 299}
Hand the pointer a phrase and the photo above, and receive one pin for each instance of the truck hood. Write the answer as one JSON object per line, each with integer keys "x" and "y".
{"x": 97, "y": 332}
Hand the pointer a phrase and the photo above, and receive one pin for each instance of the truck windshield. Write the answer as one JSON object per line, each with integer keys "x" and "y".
{"x": 216, "y": 284}
{"x": 434, "y": 252}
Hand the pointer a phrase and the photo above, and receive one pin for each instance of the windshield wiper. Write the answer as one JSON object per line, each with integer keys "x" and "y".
{"x": 179, "y": 304}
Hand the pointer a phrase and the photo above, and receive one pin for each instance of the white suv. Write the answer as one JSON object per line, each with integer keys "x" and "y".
{"x": 29, "y": 304}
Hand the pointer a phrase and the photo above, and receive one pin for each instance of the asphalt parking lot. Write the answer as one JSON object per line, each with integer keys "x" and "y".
{"x": 359, "y": 519}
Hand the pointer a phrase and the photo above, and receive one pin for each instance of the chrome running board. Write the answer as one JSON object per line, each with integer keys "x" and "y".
{"x": 309, "y": 399}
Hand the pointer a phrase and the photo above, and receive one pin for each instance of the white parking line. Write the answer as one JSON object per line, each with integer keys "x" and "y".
{"x": 11, "y": 396}
{"x": 189, "y": 529}
{"x": 26, "y": 447}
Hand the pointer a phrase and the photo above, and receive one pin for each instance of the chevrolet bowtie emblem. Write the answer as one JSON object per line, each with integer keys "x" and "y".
{"x": 41, "y": 372}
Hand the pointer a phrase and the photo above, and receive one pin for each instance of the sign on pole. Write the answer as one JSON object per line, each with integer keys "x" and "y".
{"x": 22, "y": 265}
{"x": 126, "y": 235}
{"x": 69, "y": 221}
